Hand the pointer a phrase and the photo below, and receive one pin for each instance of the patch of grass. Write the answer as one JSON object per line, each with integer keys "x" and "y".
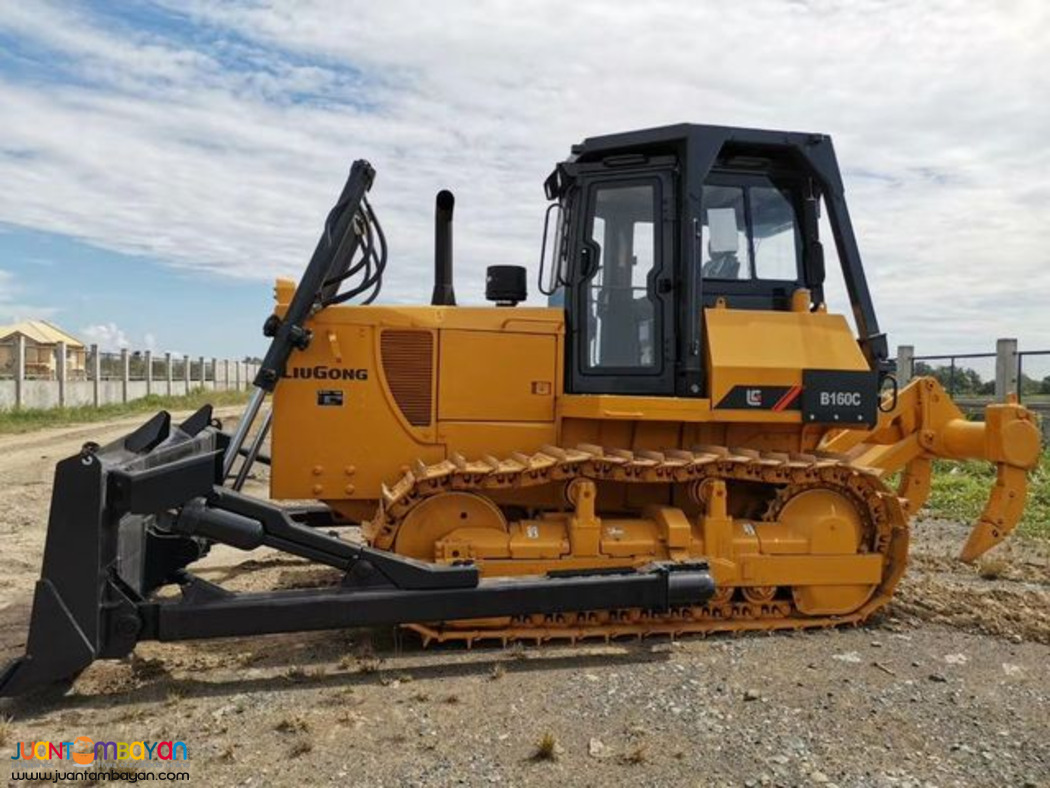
{"x": 546, "y": 748}
{"x": 959, "y": 491}
{"x": 497, "y": 672}
{"x": 292, "y": 725}
{"x": 146, "y": 669}
{"x": 517, "y": 651}
{"x": 368, "y": 665}
{"x": 28, "y": 420}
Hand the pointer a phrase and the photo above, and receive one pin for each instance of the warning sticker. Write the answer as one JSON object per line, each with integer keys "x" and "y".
{"x": 330, "y": 398}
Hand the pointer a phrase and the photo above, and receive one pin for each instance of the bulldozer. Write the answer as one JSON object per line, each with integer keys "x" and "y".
{"x": 684, "y": 439}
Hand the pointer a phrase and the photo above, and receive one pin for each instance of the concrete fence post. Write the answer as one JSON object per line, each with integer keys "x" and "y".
{"x": 186, "y": 373}
{"x": 149, "y": 372}
{"x": 20, "y": 370}
{"x": 125, "y": 374}
{"x": 214, "y": 374}
{"x": 237, "y": 374}
{"x": 203, "y": 376}
{"x": 96, "y": 376}
{"x": 905, "y": 364}
{"x": 61, "y": 372}
{"x": 167, "y": 371}
{"x": 1005, "y": 368}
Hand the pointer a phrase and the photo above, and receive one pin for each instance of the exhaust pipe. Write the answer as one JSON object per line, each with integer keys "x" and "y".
{"x": 444, "y": 295}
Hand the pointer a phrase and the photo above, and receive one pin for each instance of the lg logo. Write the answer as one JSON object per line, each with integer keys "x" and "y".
{"x": 753, "y": 397}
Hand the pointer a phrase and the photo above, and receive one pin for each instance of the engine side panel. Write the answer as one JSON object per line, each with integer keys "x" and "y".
{"x": 381, "y": 387}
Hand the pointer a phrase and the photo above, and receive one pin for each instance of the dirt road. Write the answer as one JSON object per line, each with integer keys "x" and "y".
{"x": 949, "y": 688}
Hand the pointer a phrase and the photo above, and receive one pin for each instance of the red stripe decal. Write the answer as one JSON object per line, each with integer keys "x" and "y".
{"x": 788, "y": 398}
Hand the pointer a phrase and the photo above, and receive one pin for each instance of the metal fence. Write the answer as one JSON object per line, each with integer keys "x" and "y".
{"x": 961, "y": 373}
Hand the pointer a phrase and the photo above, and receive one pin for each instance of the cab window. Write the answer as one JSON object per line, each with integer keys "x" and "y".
{"x": 749, "y": 232}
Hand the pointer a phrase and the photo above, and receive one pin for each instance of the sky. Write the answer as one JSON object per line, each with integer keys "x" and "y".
{"x": 162, "y": 162}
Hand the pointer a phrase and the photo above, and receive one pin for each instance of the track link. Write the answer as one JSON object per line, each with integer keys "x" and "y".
{"x": 886, "y": 532}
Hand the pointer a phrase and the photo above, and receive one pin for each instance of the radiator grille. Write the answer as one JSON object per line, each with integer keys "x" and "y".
{"x": 408, "y": 364}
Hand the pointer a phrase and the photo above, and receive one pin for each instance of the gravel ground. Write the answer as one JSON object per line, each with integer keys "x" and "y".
{"x": 948, "y": 688}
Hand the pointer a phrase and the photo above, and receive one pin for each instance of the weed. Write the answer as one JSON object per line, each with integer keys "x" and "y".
{"x": 992, "y": 567}
{"x": 146, "y": 669}
{"x": 546, "y": 748}
{"x": 368, "y": 665}
{"x": 497, "y": 672}
{"x": 292, "y": 725}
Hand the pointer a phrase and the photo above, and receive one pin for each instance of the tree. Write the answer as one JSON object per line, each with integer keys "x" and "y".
{"x": 963, "y": 381}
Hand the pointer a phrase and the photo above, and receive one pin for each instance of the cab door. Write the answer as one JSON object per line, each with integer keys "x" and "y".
{"x": 621, "y": 317}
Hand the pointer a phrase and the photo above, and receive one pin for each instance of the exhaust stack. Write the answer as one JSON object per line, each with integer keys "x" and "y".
{"x": 444, "y": 295}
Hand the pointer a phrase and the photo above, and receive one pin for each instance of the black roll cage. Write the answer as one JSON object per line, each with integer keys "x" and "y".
{"x": 699, "y": 152}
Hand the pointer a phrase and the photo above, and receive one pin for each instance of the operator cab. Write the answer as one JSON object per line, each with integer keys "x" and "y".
{"x": 654, "y": 226}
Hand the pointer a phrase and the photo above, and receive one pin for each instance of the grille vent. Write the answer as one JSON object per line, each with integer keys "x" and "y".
{"x": 408, "y": 364}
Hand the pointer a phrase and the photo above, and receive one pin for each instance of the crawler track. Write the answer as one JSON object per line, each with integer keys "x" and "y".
{"x": 734, "y": 610}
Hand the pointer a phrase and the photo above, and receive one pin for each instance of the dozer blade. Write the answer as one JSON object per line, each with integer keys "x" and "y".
{"x": 95, "y": 556}
{"x": 133, "y": 516}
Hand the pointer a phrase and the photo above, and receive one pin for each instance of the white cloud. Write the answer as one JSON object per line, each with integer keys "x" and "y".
{"x": 111, "y": 338}
{"x": 223, "y": 153}
{"x": 108, "y": 336}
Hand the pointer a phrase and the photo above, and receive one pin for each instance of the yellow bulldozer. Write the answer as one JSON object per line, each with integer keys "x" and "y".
{"x": 684, "y": 439}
